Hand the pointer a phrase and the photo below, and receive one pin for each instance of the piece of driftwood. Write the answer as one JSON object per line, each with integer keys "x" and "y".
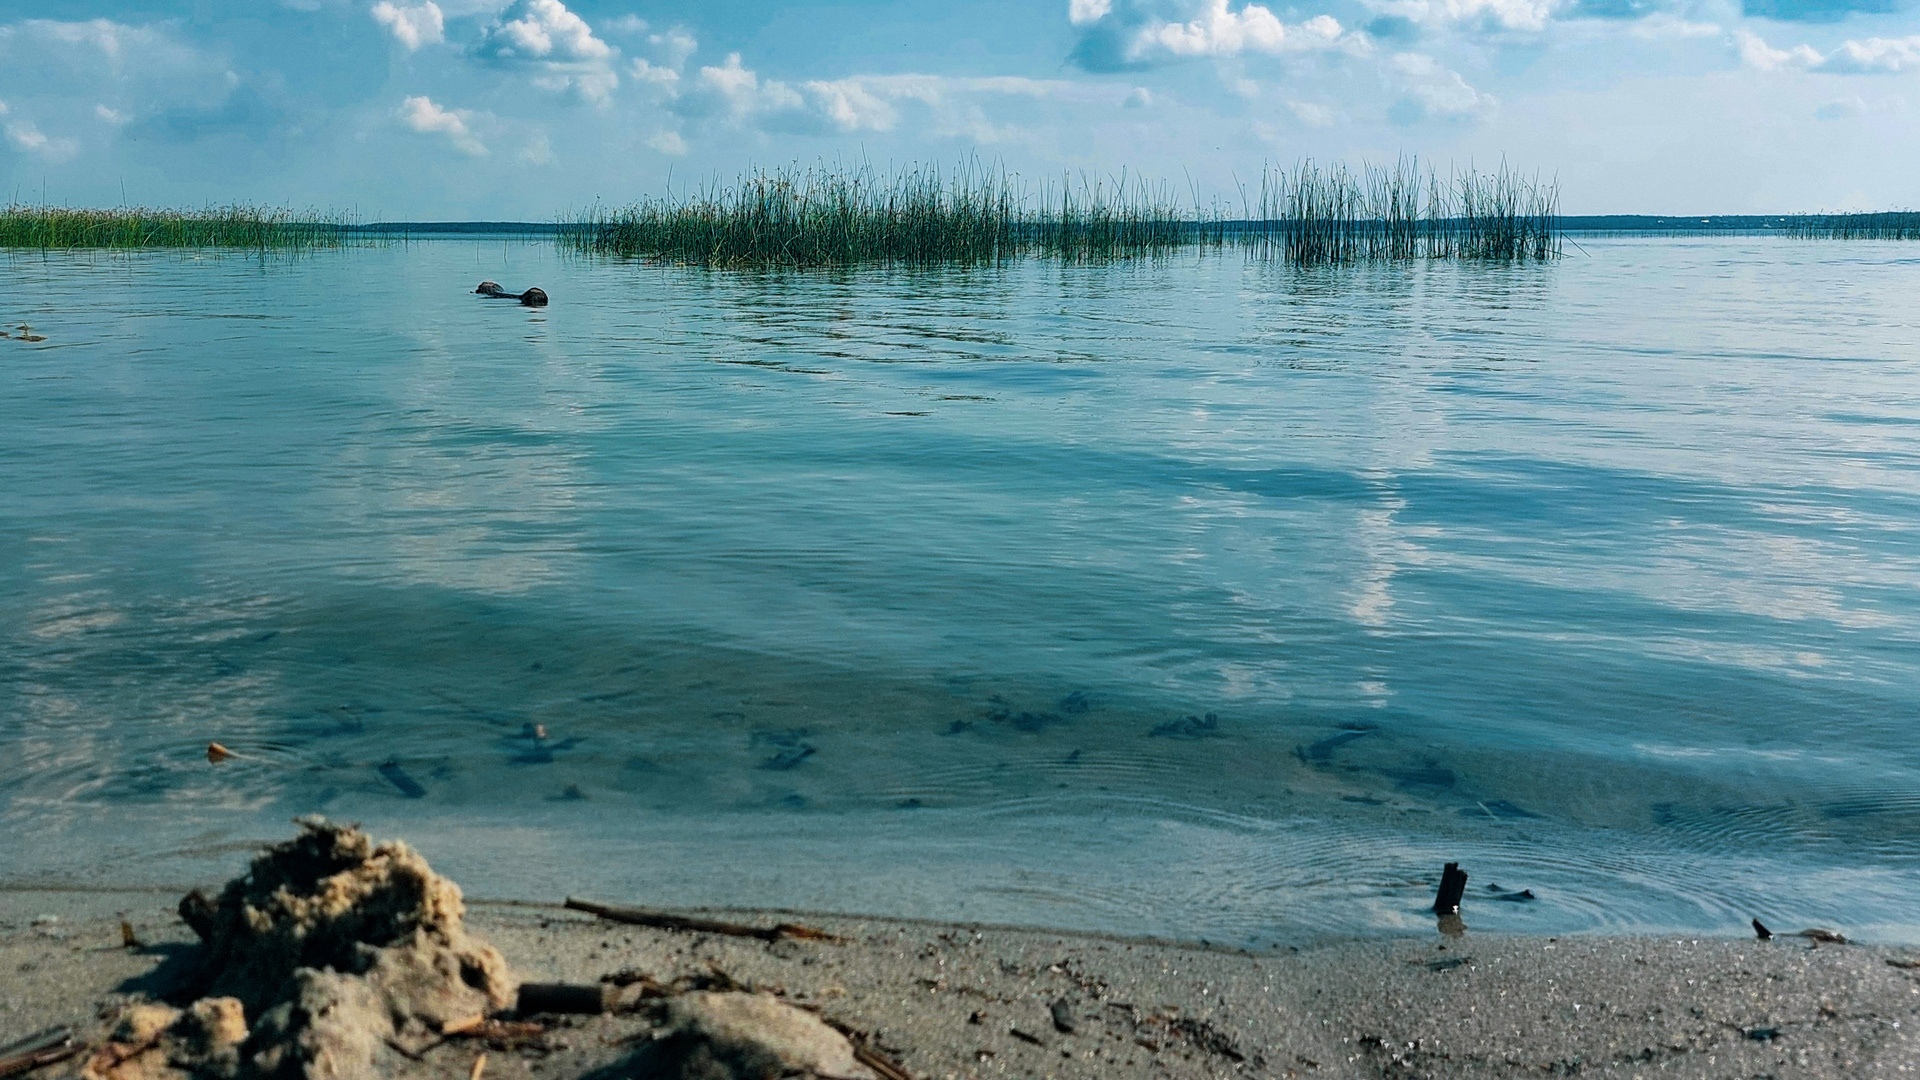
{"x": 1823, "y": 937}
{"x": 567, "y": 998}
{"x": 38, "y": 1050}
{"x": 1453, "y": 885}
{"x": 660, "y": 920}
{"x": 479, "y": 1068}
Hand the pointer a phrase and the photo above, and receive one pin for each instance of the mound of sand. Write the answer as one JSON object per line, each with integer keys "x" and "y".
{"x": 328, "y": 955}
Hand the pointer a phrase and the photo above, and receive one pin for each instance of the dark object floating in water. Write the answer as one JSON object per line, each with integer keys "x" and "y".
{"x": 1322, "y": 751}
{"x": 908, "y": 804}
{"x": 217, "y": 753}
{"x": 1453, "y": 885}
{"x": 571, "y": 794}
{"x": 534, "y": 297}
{"x": 1188, "y": 727}
{"x": 1365, "y": 800}
{"x": 398, "y": 777}
{"x": 1077, "y": 702}
{"x": 1760, "y": 931}
{"x": 1520, "y": 896}
{"x": 789, "y": 758}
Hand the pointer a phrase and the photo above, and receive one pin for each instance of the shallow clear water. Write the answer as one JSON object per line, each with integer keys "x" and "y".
{"x": 1205, "y": 599}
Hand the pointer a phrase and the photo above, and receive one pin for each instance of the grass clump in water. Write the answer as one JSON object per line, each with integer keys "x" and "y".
{"x": 831, "y": 217}
{"x": 255, "y": 228}
{"x": 1882, "y": 225}
{"x": 1314, "y": 214}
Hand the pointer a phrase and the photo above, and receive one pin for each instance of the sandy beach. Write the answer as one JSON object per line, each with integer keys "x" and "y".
{"x": 963, "y": 1001}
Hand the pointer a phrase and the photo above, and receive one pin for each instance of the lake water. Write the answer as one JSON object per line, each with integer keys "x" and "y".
{"x": 1208, "y": 598}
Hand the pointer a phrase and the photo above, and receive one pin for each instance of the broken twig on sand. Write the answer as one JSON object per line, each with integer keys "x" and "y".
{"x": 663, "y": 921}
{"x": 38, "y": 1050}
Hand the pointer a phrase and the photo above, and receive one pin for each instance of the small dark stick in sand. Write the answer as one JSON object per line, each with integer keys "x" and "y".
{"x": 1453, "y": 885}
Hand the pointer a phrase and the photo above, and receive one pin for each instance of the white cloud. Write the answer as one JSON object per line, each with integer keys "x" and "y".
{"x": 1220, "y": 31}
{"x": 1756, "y": 53}
{"x": 850, "y": 106}
{"x": 737, "y": 92}
{"x": 543, "y": 30}
{"x": 669, "y": 143}
{"x": 1137, "y": 98}
{"x": 413, "y": 26}
{"x": 1501, "y": 14}
{"x": 110, "y": 116}
{"x": 26, "y": 137}
{"x": 422, "y": 115}
{"x": 1086, "y": 12}
{"x": 1874, "y": 56}
{"x": 1434, "y": 91}
{"x": 557, "y": 43}
{"x": 1312, "y": 114}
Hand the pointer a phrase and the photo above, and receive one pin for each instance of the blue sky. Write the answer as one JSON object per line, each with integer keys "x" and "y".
{"x": 422, "y": 109}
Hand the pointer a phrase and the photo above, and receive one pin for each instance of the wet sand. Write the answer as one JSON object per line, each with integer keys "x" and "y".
{"x": 961, "y": 1001}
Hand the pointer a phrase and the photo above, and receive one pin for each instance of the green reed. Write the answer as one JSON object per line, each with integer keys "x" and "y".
{"x": 1333, "y": 214}
{"x": 824, "y": 216}
{"x": 1883, "y": 225}
{"x": 256, "y": 228}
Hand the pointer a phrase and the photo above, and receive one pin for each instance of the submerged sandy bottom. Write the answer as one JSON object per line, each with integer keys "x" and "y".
{"x": 967, "y": 1001}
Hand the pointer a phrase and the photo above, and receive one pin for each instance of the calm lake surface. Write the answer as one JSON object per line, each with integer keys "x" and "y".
{"x": 1207, "y": 598}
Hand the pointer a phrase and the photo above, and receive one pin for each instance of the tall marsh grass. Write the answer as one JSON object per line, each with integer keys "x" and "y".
{"x": 1884, "y": 225}
{"x": 255, "y": 228}
{"x": 848, "y": 217}
{"x": 1331, "y": 214}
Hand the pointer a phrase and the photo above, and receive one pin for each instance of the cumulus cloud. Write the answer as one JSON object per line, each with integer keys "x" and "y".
{"x": 1083, "y": 12}
{"x": 413, "y": 26}
{"x": 543, "y": 30}
{"x": 556, "y": 43}
{"x": 1529, "y": 15}
{"x": 1873, "y": 56}
{"x": 1121, "y": 34}
{"x": 422, "y": 115}
{"x": 1221, "y": 31}
{"x": 1138, "y": 98}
